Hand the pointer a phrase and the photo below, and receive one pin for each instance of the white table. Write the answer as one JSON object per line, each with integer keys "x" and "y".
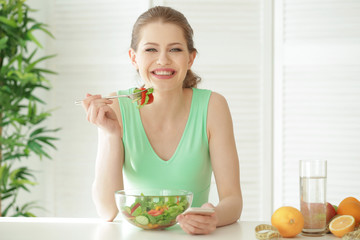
{"x": 96, "y": 229}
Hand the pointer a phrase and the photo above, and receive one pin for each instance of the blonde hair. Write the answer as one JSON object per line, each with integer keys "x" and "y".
{"x": 167, "y": 15}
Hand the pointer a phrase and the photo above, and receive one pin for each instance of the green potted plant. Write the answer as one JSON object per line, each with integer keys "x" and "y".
{"x": 22, "y": 130}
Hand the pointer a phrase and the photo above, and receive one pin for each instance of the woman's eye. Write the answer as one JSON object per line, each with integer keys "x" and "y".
{"x": 176, "y": 50}
{"x": 150, "y": 50}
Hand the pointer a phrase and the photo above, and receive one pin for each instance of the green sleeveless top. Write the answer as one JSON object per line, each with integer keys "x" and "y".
{"x": 190, "y": 166}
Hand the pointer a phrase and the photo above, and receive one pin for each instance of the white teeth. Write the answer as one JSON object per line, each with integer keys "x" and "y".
{"x": 164, "y": 73}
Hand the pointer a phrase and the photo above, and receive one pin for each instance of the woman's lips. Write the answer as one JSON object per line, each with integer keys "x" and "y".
{"x": 163, "y": 73}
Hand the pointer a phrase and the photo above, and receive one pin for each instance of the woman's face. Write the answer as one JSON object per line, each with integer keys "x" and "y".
{"x": 162, "y": 57}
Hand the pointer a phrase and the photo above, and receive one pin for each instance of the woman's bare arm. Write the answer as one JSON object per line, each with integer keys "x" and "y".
{"x": 224, "y": 160}
{"x": 106, "y": 116}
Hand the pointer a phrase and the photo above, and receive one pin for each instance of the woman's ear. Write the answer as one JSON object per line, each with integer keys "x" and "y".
{"x": 132, "y": 55}
{"x": 192, "y": 56}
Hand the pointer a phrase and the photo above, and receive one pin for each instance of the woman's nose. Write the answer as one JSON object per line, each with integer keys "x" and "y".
{"x": 163, "y": 59}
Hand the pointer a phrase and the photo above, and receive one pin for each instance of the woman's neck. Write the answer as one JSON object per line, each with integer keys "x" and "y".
{"x": 169, "y": 104}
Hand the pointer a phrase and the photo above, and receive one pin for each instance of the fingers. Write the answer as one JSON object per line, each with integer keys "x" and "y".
{"x": 97, "y": 109}
{"x": 197, "y": 224}
{"x": 94, "y": 99}
{"x": 191, "y": 229}
{"x": 97, "y": 112}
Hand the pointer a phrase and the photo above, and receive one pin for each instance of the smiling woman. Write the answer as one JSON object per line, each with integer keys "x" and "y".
{"x": 175, "y": 142}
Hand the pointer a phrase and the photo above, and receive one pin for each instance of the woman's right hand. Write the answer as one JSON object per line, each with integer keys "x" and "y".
{"x": 101, "y": 114}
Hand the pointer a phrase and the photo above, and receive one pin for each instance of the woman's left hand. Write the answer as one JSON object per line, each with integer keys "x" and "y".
{"x": 198, "y": 224}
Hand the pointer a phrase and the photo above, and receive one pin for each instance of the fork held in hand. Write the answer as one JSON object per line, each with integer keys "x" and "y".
{"x": 132, "y": 96}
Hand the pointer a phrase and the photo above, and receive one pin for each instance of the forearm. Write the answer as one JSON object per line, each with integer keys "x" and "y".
{"x": 108, "y": 174}
{"x": 229, "y": 210}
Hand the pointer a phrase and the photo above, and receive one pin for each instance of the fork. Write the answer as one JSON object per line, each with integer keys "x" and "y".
{"x": 132, "y": 96}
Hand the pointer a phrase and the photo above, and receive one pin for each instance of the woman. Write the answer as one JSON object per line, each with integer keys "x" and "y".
{"x": 174, "y": 142}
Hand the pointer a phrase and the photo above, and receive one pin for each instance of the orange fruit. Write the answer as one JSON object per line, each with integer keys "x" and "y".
{"x": 289, "y": 221}
{"x": 350, "y": 199}
{"x": 342, "y": 225}
{"x": 350, "y": 206}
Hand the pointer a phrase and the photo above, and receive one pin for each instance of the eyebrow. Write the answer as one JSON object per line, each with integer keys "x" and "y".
{"x": 171, "y": 44}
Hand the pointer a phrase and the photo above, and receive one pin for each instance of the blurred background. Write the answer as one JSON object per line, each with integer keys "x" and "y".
{"x": 290, "y": 70}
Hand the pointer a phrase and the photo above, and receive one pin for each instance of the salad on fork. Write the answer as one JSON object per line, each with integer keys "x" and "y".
{"x": 142, "y": 96}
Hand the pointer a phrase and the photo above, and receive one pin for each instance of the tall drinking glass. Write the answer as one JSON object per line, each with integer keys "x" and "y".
{"x": 313, "y": 196}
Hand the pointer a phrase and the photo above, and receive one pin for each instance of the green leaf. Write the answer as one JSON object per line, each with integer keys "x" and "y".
{"x": 22, "y": 182}
{"x": 10, "y": 23}
{"x": 15, "y": 173}
{"x": 29, "y": 205}
{"x": 28, "y": 214}
{"x": 34, "y": 98}
{"x": 47, "y": 32}
{"x": 19, "y": 58}
{"x": 43, "y": 130}
{"x": 31, "y": 110}
{"x": 7, "y": 209}
{"x": 22, "y": 121}
{"x": 20, "y": 12}
{"x": 32, "y": 38}
{"x": 21, "y": 212}
{"x": 41, "y": 86}
{"x": 5, "y": 196}
{"x": 15, "y": 156}
{"x": 37, "y": 149}
{"x": 45, "y": 140}
{"x": 3, "y": 42}
{"x": 37, "y": 131}
{"x": 32, "y": 55}
{"x": 40, "y": 117}
{"x": 4, "y": 123}
{"x": 24, "y": 187}
{"x": 4, "y": 175}
{"x": 31, "y": 66}
{"x": 24, "y": 210}
{"x": 9, "y": 190}
{"x": 44, "y": 71}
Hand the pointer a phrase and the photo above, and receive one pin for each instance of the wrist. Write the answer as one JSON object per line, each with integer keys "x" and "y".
{"x": 111, "y": 135}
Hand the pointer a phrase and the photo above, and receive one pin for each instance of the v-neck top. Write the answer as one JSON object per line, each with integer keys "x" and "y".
{"x": 188, "y": 169}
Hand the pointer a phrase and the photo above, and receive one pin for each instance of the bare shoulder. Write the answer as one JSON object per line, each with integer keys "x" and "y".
{"x": 217, "y": 101}
{"x": 218, "y": 112}
{"x": 217, "y": 105}
{"x": 116, "y": 107}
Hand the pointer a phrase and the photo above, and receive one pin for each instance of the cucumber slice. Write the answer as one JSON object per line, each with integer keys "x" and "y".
{"x": 142, "y": 220}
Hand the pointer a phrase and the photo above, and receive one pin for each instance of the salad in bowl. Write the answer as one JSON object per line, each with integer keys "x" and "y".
{"x": 152, "y": 209}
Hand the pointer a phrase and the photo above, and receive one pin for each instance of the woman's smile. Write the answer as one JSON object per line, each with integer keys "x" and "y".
{"x": 163, "y": 73}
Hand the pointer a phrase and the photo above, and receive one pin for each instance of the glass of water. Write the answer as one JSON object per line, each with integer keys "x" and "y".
{"x": 313, "y": 196}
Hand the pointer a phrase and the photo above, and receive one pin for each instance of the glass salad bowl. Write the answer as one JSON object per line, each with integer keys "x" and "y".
{"x": 152, "y": 208}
